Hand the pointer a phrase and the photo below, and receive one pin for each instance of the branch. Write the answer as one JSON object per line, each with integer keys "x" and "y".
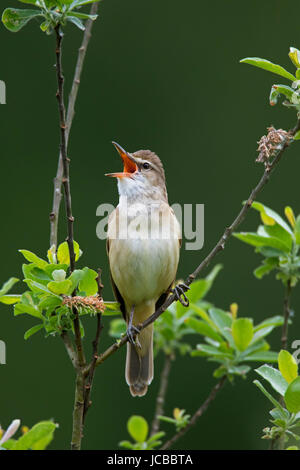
{"x": 89, "y": 382}
{"x": 217, "y": 248}
{"x": 160, "y": 400}
{"x": 197, "y": 415}
{"x": 80, "y": 363}
{"x": 287, "y": 313}
{"x": 54, "y": 215}
{"x": 69, "y": 348}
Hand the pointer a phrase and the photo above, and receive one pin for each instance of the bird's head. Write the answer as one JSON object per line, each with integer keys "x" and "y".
{"x": 142, "y": 176}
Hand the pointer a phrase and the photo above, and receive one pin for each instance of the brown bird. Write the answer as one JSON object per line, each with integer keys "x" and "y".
{"x": 143, "y": 243}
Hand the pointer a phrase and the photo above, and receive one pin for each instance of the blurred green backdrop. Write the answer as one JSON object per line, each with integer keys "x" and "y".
{"x": 165, "y": 76}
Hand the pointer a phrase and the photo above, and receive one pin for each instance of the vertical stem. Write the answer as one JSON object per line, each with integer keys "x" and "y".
{"x": 90, "y": 377}
{"x": 287, "y": 313}
{"x": 70, "y": 115}
{"x": 63, "y": 146}
{"x": 79, "y": 389}
{"x": 160, "y": 400}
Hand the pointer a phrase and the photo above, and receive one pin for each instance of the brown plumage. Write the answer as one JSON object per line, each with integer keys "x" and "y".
{"x": 143, "y": 263}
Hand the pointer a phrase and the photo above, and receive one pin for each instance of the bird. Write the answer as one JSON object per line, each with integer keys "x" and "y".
{"x": 143, "y": 246}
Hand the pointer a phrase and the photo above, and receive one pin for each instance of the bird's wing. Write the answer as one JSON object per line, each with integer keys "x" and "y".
{"x": 116, "y": 291}
{"x": 164, "y": 295}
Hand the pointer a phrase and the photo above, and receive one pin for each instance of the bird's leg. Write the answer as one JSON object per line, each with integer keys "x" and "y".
{"x": 179, "y": 291}
{"x": 132, "y": 331}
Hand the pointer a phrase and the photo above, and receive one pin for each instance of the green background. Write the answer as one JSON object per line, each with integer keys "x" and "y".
{"x": 163, "y": 75}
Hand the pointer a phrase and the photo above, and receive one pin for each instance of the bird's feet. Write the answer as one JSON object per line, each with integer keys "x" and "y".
{"x": 179, "y": 292}
{"x": 133, "y": 331}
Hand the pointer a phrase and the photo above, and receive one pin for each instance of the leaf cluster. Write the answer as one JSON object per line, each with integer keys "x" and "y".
{"x": 138, "y": 429}
{"x": 50, "y": 287}
{"x": 36, "y": 438}
{"x": 286, "y": 382}
{"x": 291, "y": 93}
{"x": 50, "y": 12}
{"x": 278, "y": 242}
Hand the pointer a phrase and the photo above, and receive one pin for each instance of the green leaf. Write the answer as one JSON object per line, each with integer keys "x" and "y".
{"x": 274, "y": 377}
{"x": 88, "y": 282}
{"x": 290, "y": 94}
{"x": 262, "y": 356}
{"x": 271, "y": 398}
{"x": 32, "y": 258}
{"x": 37, "y": 287}
{"x": 10, "y": 299}
{"x": 270, "y": 213}
{"x": 261, "y": 333}
{"x": 22, "y": 308}
{"x": 112, "y": 308}
{"x": 60, "y": 287}
{"x": 292, "y": 396}
{"x": 59, "y": 275}
{"x": 138, "y": 428}
{"x": 14, "y": 19}
{"x": 35, "y": 435}
{"x": 203, "y": 328}
{"x": 202, "y": 313}
{"x": 273, "y": 321}
{"x": 49, "y": 303}
{"x": 294, "y": 55}
{"x": 242, "y": 332}
{"x": 287, "y": 366}
{"x": 278, "y": 232}
{"x": 297, "y": 135}
{"x": 50, "y": 268}
{"x": 198, "y": 290}
{"x": 75, "y": 277}
{"x": 205, "y": 350}
{"x": 32, "y": 2}
{"x": 263, "y": 270}
{"x": 269, "y": 66}
{"x": 223, "y": 322}
{"x": 79, "y": 3}
{"x": 8, "y": 285}
{"x": 63, "y": 255}
{"x": 33, "y": 330}
{"x": 126, "y": 444}
{"x": 257, "y": 240}
{"x": 84, "y": 16}
{"x": 76, "y": 21}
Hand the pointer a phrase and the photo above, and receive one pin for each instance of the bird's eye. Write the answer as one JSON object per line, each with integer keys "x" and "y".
{"x": 146, "y": 166}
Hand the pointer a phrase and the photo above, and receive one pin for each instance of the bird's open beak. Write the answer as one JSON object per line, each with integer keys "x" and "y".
{"x": 130, "y": 167}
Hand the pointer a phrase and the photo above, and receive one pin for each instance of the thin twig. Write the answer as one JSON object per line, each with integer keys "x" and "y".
{"x": 217, "y": 248}
{"x": 287, "y": 313}
{"x": 63, "y": 146}
{"x": 57, "y": 195}
{"x": 89, "y": 381}
{"x": 160, "y": 400}
{"x": 197, "y": 415}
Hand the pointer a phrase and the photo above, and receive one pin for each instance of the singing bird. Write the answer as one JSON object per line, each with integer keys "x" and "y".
{"x": 143, "y": 244}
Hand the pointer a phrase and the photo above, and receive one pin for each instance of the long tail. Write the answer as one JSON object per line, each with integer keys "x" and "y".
{"x": 139, "y": 363}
